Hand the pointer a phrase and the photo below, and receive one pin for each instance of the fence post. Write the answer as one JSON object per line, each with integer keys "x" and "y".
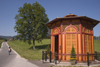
{"x": 43, "y": 56}
{"x": 50, "y": 56}
{"x": 96, "y": 55}
{"x": 87, "y": 58}
{"x": 55, "y": 57}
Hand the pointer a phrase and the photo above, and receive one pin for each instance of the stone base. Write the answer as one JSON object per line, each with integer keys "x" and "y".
{"x": 73, "y": 62}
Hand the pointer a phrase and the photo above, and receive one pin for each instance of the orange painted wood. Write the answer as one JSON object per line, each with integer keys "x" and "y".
{"x": 81, "y": 37}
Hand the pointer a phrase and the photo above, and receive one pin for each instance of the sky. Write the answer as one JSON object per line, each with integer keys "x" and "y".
{"x": 54, "y": 8}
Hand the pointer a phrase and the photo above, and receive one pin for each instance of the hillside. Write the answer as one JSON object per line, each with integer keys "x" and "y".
{"x": 6, "y": 37}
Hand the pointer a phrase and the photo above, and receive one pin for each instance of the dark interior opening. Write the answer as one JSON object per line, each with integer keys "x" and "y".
{"x": 56, "y": 45}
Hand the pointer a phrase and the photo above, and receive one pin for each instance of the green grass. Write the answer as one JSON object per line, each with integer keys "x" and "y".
{"x": 26, "y": 51}
{"x": 97, "y": 45}
{"x": 1, "y": 42}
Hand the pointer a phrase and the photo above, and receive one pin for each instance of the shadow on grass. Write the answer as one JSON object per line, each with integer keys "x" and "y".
{"x": 40, "y": 46}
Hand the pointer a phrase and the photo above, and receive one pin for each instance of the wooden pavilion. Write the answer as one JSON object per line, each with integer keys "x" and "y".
{"x": 72, "y": 30}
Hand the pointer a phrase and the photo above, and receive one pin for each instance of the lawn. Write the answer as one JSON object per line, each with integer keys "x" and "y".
{"x": 26, "y": 51}
{"x": 97, "y": 45}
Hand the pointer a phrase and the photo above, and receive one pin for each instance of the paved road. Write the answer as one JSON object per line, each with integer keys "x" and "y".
{"x": 5, "y": 58}
{"x": 12, "y": 60}
{"x": 41, "y": 64}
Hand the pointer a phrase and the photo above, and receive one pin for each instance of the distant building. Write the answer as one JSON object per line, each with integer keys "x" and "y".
{"x": 11, "y": 40}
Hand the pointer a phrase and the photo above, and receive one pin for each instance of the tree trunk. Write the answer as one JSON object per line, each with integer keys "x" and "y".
{"x": 33, "y": 44}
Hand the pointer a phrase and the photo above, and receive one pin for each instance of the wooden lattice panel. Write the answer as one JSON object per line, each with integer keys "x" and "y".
{"x": 58, "y": 28}
{"x": 87, "y": 26}
{"x": 64, "y": 26}
{"x": 58, "y": 22}
{"x": 66, "y": 21}
{"x": 77, "y": 26}
{"x": 83, "y": 29}
{"x": 83, "y": 21}
{"x": 70, "y": 41}
{"x": 87, "y": 31}
{"x": 55, "y": 31}
{"x": 53, "y": 24}
{"x": 75, "y": 20}
{"x": 87, "y": 44}
{"x": 92, "y": 31}
{"x": 70, "y": 30}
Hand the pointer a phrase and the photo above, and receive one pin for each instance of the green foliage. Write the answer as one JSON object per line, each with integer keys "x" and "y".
{"x": 51, "y": 66}
{"x": 1, "y": 42}
{"x": 73, "y": 54}
{"x": 48, "y": 50}
{"x": 97, "y": 55}
{"x": 5, "y": 39}
{"x": 2, "y": 38}
{"x": 30, "y": 23}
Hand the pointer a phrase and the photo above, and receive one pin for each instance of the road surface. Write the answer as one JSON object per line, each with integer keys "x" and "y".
{"x": 12, "y": 60}
{"x": 5, "y": 58}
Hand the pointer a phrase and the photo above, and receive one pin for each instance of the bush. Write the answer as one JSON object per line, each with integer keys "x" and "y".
{"x": 73, "y": 54}
{"x": 48, "y": 50}
{"x": 97, "y": 55}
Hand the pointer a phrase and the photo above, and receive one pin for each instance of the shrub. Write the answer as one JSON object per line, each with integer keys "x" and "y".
{"x": 48, "y": 50}
{"x": 73, "y": 54}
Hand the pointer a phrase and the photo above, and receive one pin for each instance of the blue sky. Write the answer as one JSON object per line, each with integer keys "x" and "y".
{"x": 54, "y": 8}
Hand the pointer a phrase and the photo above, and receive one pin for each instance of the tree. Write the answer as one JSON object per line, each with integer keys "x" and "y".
{"x": 99, "y": 37}
{"x": 30, "y": 23}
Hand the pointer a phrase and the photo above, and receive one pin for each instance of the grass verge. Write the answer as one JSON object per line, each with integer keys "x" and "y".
{"x": 96, "y": 66}
{"x": 26, "y": 51}
{"x": 1, "y": 42}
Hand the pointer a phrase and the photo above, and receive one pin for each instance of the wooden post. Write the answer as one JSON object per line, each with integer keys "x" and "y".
{"x": 87, "y": 58}
{"x": 96, "y": 55}
{"x": 43, "y": 56}
{"x": 50, "y": 57}
{"x": 55, "y": 57}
